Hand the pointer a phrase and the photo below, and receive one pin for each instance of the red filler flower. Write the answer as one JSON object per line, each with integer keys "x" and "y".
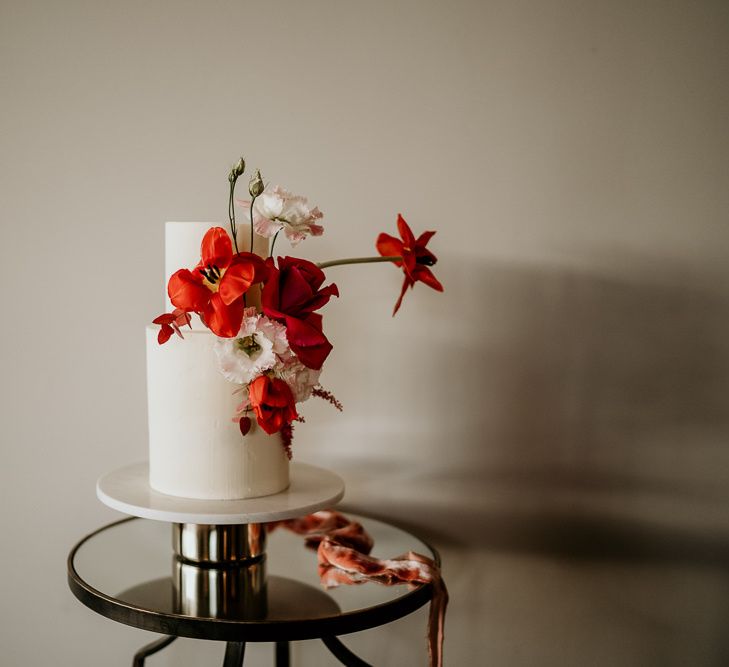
{"x": 170, "y": 323}
{"x": 415, "y": 257}
{"x": 291, "y": 294}
{"x": 273, "y": 403}
{"x": 214, "y": 289}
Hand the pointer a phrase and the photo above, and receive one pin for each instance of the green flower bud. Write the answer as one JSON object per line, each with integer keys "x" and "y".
{"x": 255, "y": 187}
{"x": 236, "y": 170}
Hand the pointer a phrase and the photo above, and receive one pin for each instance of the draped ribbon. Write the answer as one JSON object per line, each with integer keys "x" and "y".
{"x": 343, "y": 547}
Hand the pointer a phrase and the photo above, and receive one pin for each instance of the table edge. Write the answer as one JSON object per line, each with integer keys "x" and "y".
{"x": 249, "y": 631}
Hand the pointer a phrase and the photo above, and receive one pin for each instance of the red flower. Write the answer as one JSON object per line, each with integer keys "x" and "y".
{"x": 215, "y": 287}
{"x": 415, "y": 257}
{"x": 171, "y": 323}
{"x": 273, "y": 403}
{"x": 291, "y": 294}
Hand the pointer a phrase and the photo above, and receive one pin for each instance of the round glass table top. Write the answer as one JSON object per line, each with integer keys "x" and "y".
{"x": 127, "y": 571}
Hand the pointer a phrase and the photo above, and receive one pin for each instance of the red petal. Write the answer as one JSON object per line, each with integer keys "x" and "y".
{"x": 272, "y": 402}
{"x": 216, "y": 248}
{"x": 389, "y": 246}
{"x": 307, "y": 340}
{"x": 236, "y": 281}
{"x": 187, "y": 292}
{"x": 314, "y": 320}
{"x": 164, "y": 334}
{"x": 182, "y": 318}
{"x": 165, "y": 318}
{"x": 257, "y": 390}
{"x": 406, "y": 233}
{"x": 177, "y": 330}
{"x": 425, "y": 275}
{"x": 321, "y": 298}
{"x": 223, "y": 320}
{"x": 269, "y": 293}
{"x": 270, "y": 422}
{"x": 423, "y": 239}
{"x": 313, "y": 275}
{"x": 296, "y": 293}
{"x": 260, "y": 266}
{"x": 410, "y": 264}
{"x": 279, "y": 394}
{"x": 406, "y": 283}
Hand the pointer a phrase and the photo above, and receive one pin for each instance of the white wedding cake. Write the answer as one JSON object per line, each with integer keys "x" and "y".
{"x": 196, "y": 448}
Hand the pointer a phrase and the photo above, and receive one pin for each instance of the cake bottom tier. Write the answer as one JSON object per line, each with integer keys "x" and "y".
{"x": 196, "y": 449}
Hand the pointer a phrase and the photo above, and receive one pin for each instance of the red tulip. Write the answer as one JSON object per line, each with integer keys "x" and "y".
{"x": 214, "y": 289}
{"x": 273, "y": 402}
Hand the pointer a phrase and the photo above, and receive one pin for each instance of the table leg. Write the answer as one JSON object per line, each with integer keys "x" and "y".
{"x": 143, "y": 653}
{"x": 283, "y": 654}
{"x": 343, "y": 654}
{"x": 234, "y": 654}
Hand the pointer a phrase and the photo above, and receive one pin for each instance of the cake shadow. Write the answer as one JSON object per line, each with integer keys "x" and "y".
{"x": 577, "y": 414}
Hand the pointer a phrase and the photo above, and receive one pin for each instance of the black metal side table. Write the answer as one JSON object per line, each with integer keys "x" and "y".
{"x": 127, "y": 572}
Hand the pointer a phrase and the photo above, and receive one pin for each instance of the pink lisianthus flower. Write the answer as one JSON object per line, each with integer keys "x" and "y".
{"x": 259, "y": 346}
{"x": 301, "y": 379}
{"x": 277, "y": 209}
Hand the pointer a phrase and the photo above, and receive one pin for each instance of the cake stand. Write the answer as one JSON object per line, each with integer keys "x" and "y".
{"x": 127, "y": 490}
{"x": 219, "y": 546}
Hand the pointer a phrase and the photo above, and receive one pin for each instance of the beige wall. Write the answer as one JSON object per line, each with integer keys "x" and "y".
{"x": 556, "y": 422}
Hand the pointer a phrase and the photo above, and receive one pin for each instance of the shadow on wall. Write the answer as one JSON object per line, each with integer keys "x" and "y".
{"x": 584, "y": 416}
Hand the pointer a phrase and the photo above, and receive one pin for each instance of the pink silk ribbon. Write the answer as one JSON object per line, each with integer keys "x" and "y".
{"x": 343, "y": 548}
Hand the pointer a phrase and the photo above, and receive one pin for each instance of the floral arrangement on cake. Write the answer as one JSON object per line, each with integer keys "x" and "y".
{"x": 264, "y": 312}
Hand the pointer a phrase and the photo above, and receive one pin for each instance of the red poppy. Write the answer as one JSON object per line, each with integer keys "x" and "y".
{"x": 415, "y": 257}
{"x": 214, "y": 289}
{"x": 273, "y": 402}
{"x": 291, "y": 294}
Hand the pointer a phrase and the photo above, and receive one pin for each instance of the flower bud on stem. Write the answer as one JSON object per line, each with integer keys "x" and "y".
{"x": 236, "y": 170}
{"x": 255, "y": 189}
{"x": 255, "y": 186}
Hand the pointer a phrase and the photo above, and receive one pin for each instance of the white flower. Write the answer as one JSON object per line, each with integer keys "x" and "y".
{"x": 259, "y": 346}
{"x": 300, "y": 378}
{"x": 278, "y": 209}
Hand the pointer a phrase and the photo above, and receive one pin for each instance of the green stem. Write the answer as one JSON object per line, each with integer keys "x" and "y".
{"x": 231, "y": 215}
{"x": 273, "y": 243}
{"x": 253, "y": 199}
{"x": 359, "y": 260}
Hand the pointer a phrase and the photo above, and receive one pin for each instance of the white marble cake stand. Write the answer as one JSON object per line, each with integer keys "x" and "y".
{"x": 127, "y": 490}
